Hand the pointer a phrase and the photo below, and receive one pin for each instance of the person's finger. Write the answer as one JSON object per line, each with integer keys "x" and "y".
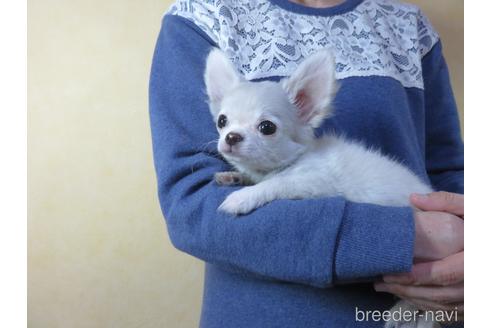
{"x": 449, "y": 294}
{"x": 445, "y": 272}
{"x": 439, "y": 201}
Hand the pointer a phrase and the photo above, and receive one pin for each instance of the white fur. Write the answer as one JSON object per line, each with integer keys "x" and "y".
{"x": 220, "y": 77}
{"x": 312, "y": 87}
{"x": 292, "y": 163}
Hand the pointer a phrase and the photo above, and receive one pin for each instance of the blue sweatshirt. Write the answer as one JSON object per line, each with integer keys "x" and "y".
{"x": 295, "y": 263}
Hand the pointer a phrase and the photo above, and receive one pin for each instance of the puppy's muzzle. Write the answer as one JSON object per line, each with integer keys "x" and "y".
{"x": 233, "y": 138}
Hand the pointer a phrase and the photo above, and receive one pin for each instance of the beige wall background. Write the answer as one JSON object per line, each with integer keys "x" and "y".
{"x": 98, "y": 252}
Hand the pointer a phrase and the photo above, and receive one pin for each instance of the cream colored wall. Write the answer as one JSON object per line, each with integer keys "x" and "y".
{"x": 99, "y": 255}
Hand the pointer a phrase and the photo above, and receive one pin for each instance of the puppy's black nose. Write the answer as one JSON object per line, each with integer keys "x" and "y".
{"x": 233, "y": 138}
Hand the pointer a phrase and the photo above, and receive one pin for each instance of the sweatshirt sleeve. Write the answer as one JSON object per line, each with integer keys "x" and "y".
{"x": 444, "y": 145}
{"x": 312, "y": 241}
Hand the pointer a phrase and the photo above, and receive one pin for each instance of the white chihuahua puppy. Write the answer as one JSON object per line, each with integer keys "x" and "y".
{"x": 267, "y": 133}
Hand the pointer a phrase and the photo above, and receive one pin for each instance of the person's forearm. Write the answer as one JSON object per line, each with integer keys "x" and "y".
{"x": 444, "y": 146}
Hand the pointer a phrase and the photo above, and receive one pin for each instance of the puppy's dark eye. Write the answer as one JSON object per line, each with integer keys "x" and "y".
{"x": 222, "y": 121}
{"x": 267, "y": 127}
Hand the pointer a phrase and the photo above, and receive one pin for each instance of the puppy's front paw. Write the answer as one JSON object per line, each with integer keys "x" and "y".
{"x": 241, "y": 202}
{"x": 229, "y": 178}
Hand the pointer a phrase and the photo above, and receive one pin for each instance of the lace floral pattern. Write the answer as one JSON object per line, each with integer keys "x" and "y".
{"x": 378, "y": 37}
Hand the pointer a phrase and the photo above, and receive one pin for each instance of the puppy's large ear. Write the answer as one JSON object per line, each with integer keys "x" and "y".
{"x": 312, "y": 87}
{"x": 220, "y": 77}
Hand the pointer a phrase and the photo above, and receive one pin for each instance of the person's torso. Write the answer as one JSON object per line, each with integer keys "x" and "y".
{"x": 379, "y": 46}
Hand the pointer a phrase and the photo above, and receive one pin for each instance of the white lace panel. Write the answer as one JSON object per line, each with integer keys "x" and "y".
{"x": 378, "y": 37}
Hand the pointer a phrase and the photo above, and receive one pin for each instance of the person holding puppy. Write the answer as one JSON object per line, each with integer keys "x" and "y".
{"x": 309, "y": 262}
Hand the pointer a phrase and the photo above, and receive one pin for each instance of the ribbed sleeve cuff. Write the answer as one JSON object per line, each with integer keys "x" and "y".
{"x": 374, "y": 240}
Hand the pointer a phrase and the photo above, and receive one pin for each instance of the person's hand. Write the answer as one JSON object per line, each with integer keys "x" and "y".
{"x": 438, "y": 225}
{"x": 436, "y": 285}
